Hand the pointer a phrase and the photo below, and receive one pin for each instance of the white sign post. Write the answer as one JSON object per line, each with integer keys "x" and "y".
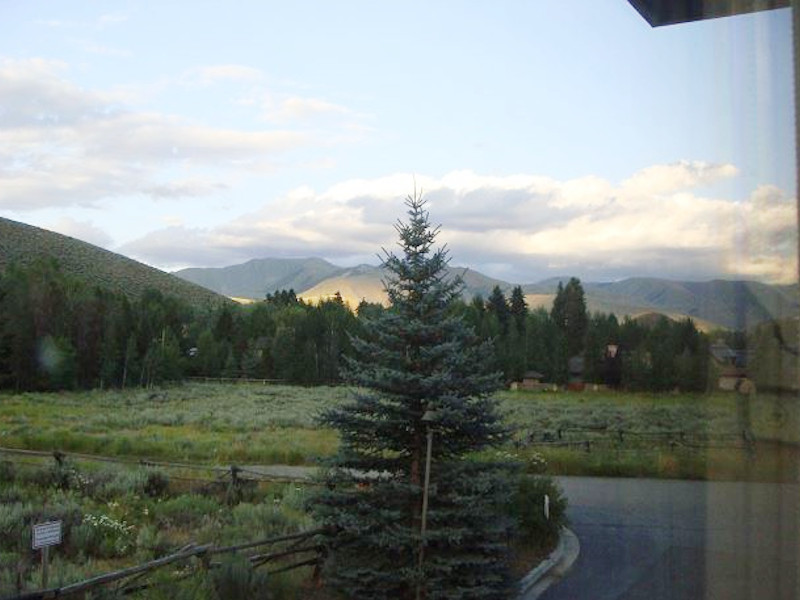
{"x": 46, "y": 535}
{"x": 547, "y": 507}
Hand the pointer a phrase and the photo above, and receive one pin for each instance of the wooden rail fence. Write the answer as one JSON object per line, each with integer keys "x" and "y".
{"x": 587, "y": 437}
{"x": 236, "y": 474}
{"x": 235, "y": 380}
{"x": 306, "y": 544}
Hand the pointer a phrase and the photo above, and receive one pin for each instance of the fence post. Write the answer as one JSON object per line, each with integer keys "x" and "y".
{"x": 235, "y": 494}
{"x": 205, "y": 561}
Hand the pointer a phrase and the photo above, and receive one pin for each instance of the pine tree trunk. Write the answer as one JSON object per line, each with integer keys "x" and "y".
{"x": 415, "y": 478}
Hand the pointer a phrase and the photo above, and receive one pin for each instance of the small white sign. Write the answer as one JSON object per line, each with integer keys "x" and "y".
{"x": 46, "y": 534}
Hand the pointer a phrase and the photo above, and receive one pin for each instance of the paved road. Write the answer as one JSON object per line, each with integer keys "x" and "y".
{"x": 681, "y": 540}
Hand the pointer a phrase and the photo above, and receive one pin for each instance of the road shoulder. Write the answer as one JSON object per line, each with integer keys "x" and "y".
{"x": 552, "y": 568}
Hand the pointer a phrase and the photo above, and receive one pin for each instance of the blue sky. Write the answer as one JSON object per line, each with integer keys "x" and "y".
{"x": 550, "y": 137}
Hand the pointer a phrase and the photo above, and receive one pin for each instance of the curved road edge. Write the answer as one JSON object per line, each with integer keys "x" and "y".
{"x": 552, "y": 568}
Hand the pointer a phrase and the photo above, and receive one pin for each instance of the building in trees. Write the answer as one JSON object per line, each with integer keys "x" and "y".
{"x": 417, "y": 359}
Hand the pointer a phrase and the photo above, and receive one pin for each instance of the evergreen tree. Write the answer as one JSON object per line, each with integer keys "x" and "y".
{"x": 518, "y": 308}
{"x": 498, "y": 306}
{"x": 418, "y": 359}
{"x": 558, "y": 311}
{"x": 662, "y": 356}
{"x": 517, "y": 338}
{"x": 569, "y": 313}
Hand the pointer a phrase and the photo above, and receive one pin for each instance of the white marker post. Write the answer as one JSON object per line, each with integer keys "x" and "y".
{"x": 547, "y": 507}
{"x": 46, "y": 535}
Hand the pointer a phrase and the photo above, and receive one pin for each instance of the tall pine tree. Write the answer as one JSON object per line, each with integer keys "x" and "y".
{"x": 417, "y": 358}
{"x": 569, "y": 313}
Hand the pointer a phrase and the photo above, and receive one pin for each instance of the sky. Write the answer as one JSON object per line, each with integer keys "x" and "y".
{"x": 550, "y": 138}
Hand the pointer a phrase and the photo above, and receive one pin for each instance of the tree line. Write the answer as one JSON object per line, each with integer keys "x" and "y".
{"x": 644, "y": 355}
{"x": 59, "y": 333}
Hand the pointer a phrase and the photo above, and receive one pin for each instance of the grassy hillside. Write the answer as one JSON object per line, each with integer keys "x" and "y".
{"x": 24, "y": 244}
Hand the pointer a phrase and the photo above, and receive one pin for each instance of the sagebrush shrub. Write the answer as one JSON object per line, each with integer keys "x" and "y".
{"x": 236, "y": 578}
{"x": 527, "y": 505}
{"x": 185, "y": 511}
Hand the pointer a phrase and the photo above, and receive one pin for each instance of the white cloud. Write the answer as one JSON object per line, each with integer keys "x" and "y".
{"x": 156, "y": 138}
{"x": 210, "y": 74}
{"x": 665, "y": 179}
{"x": 333, "y": 123}
{"x": 297, "y": 108}
{"x": 82, "y": 230}
{"x": 534, "y": 226}
{"x": 766, "y": 236}
{"x": 62, "y": 145}
{"x": 172, "y": 220}
{"x": 34, "y": 95}
{"x": 273, "y": 105}
{"x": 103, "y": 50}
{"x": 184, "y": 189}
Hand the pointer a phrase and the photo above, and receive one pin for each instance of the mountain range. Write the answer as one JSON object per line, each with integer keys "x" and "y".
{"x": 718, "y": 303}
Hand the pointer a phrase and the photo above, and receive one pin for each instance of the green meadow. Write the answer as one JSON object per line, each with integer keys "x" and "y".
{"x": 207, "y": 423}
{"x": 119, "y": 515}
{"x": 722, "y": 436}
{"x": 716, "y": 436}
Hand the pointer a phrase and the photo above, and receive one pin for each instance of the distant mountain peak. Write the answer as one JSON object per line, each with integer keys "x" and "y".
{"x": 720, "y": 303}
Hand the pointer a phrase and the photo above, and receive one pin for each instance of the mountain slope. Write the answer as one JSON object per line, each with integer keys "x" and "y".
{"x": 354, "y": 285}
{"x": 23, "y": 244}
{"x": 258, "y": 277}
{"x": 315, "y": 279}
{"x": 730, "y": 304}
{"x": 365, "y": 282}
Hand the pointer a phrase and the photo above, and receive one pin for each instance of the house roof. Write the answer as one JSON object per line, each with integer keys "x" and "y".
{"x": 727, "y": 356}
{"x": 576, "y": 365}
{"x": 671, "y": 12}
{"x": 532, "y": 375}
{"x": 722, "y": 353}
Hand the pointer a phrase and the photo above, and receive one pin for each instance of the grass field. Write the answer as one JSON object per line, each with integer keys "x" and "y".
{"x": 720, "y": 436}
{"x": 717, "y": 436}
{"x": 116, "y": 517}
{"x": 210, "y": 423}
